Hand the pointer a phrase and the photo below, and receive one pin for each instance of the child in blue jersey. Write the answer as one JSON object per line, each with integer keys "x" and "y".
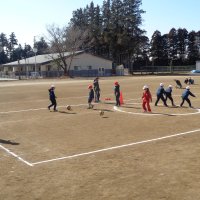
{"x": 160, "y": 95}
{"x": 185, "y": 96}
{"x": 168, "y": 94}
{"x": 90, "y": 97}
{"x": 52, "y": 98}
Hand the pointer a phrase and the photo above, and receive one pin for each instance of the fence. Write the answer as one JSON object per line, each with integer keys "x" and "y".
{"x": 163, "y": 69}
{"x": 93, "y": 73}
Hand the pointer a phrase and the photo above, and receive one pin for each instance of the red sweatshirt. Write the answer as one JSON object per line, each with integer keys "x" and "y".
{"x": 146, "y": 96}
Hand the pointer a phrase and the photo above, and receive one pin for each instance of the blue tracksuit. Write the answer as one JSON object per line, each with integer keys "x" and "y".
{"x": 52, "y": 98}
{"x": 160, "y": 95}
{"x": 168, "y": 94}
{"x": 185, "y": 96}
{"x": 91, "y": 96}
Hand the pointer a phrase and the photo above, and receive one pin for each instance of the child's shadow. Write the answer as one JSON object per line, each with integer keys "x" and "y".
{"x": 138, "y": 108}
{"x": 105, "y": 110}
{"x": 8, "y": 142}
{"x": 65, "y": 112}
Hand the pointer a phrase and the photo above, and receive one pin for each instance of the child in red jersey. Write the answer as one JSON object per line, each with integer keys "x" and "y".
{"x": 146, "y": 98}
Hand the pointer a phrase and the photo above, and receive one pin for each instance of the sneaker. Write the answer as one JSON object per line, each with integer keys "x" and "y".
{"x": 55, "y": 110}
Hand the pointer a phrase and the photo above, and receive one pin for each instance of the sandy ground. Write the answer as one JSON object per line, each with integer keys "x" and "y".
{"x": 78, "y": 154}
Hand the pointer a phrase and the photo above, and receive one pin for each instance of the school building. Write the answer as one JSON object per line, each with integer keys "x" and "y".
{"x": 83, "y": 64}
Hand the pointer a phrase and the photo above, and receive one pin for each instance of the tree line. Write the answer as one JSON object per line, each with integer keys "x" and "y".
{"x": 11, "y": 50}
{"x": 112, "y": 31}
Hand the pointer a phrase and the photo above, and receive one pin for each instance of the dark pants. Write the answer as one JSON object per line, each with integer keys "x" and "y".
{"x": 118, "y": 100}
{"x": 186, "y": 99}
{"x": 53, "y": 103}
{"x": 162, "y": 98}
{"x": 97, "y": 95}
{"x": 90, "y": 100}
{"x": 171, "y": 99}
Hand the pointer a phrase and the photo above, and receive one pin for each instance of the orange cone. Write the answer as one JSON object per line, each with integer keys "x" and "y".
{"x": 121, "y": 98}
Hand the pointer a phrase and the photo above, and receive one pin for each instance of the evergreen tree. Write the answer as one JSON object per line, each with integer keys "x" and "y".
{"x": 192, "y": 50}
{"x": 42, "y": 46}
{"x": 198, "y": 43}
{"x": 3, "y": 45}
{"x": 182, "y": 40}
{"x": 12, "y": 42}
{"x": 106, "y": 14}
{"x": 156, "y": 48}
{"x": 172, "y": 37}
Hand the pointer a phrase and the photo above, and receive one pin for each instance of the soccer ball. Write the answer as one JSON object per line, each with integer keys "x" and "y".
{"x": 69, "y": 107}
{"x": 101, "y": 113}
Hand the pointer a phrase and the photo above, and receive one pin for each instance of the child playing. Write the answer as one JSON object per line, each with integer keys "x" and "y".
{"x": 146, "y": 98}
{"x": 96, "y": 89}
{"x": 90, "y": 97}
{"x": 185, "y": 96}
{"x": 160, "y": 95}
{"x": 52, "y": 98}
{"x": 168, "y": 93}
{"x": 117, "y": 93}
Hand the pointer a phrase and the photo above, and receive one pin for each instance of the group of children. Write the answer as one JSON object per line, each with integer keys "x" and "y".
{"x": 94, "y": 95}
{"x": 189, "y": 81}
{"x": 164, "y": 94}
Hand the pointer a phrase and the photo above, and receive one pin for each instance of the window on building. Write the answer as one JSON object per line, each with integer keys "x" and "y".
{"x": 48, "y": 67}
{"x": 77, "y": 68}
{"x": 101, "y": 69}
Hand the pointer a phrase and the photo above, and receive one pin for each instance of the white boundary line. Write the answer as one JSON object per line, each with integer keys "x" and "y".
{"x": 16, "y": 156}
{"x": 156, "y": 114}
{"x": 115, "y": 147}
{"x": 36, "y": 109}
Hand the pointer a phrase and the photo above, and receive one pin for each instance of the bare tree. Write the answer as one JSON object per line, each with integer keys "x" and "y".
{"x": 64, "y": 43}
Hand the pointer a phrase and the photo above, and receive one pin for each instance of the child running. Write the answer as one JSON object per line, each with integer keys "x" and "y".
{"x": 52, "y": 98}
{"x": 160, "y": 95}
{"x": 185, "y": 96}
{"x": 146, "y": 98}
{"x": 90, "y": 97}
{"x": 168, "y": 93}
{"x": 117, "y": 93}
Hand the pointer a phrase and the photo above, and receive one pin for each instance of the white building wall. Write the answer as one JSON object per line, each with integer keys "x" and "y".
{"x": 197, "y": 65}
{"x": 85, "y": 60}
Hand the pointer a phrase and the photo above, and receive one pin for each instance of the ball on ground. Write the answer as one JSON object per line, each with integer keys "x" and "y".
{"x": 69, "y": 107}
{"x": 101, "y": 112}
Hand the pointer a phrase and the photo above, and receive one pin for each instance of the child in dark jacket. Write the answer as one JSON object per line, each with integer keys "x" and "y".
{"x": 146, "y": 98}
{"x": 185, "y": 96}
{"x": 160, "y": 95}
{"x": 168, "y": 93}
{"x": 52, "y": 98}
{"x": 117, "y": 93}
{"x": 96, "y": 89}
{"x": 90, "y": 97}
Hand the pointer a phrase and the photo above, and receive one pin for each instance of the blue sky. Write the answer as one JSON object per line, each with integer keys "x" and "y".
{"x": 29, "y": 18}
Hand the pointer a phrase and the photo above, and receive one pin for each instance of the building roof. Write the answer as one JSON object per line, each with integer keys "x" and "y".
{"x": 39, "y": 59}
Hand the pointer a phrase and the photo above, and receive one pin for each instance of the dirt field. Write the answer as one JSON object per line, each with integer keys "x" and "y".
{"x": 79, "y": 155}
